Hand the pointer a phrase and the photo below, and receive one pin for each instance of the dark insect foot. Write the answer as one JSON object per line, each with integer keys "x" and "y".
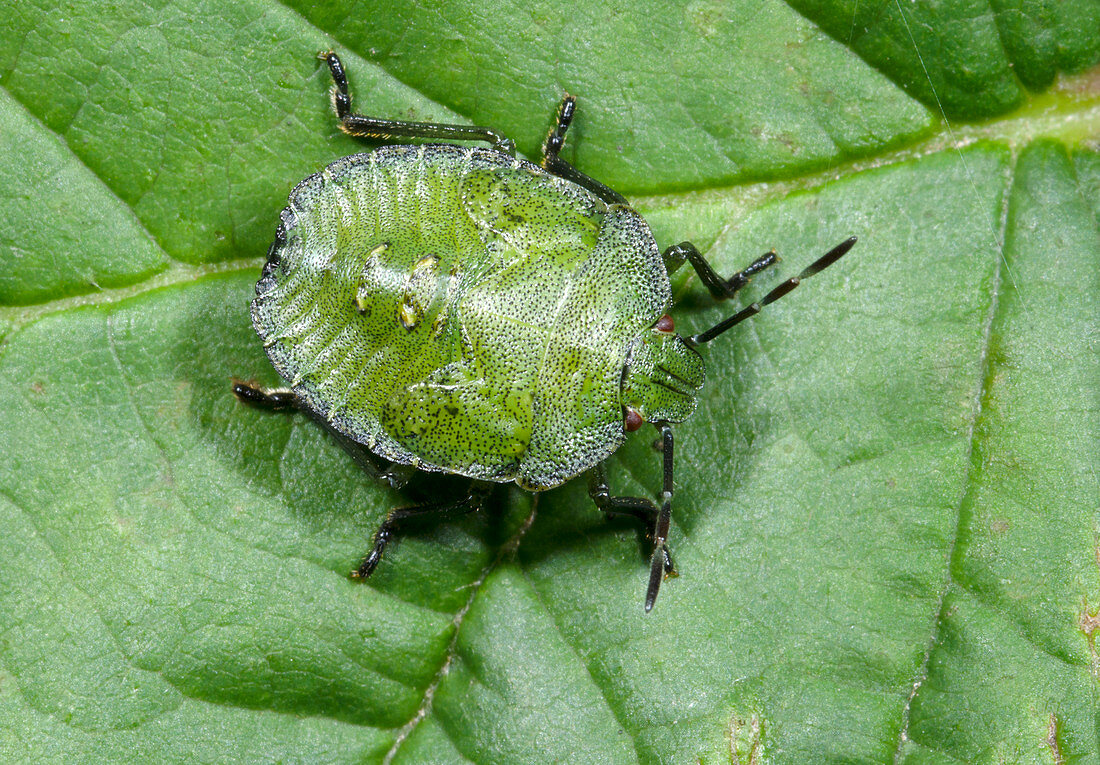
{"x": 370, "y": 563}
{"x": 273, "y": 398}
{"x": 366, "y": 568}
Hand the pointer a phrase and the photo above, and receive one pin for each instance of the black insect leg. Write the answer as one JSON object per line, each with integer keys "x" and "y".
{"x": 362, "y": 126}
{"x": 275, "y": 399}
{"x": 399, "y": 515}
{"x": 636, "y": 507}
{"x": 285, "y": 400}
{"x": 656, "y": 519}
{"x": 559, "y": 167}
{"x": 720, "y": 288}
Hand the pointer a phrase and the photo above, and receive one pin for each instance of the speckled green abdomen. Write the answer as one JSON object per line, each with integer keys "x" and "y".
{"x": 461, "y": 311}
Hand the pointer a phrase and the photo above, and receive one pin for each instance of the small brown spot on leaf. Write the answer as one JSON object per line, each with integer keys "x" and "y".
{"x": 745, "y": 740}
{"x": 1089, "y": 623}
{"x": 1052, "y": 740}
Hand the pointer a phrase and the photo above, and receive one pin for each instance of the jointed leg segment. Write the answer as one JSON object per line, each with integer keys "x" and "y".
{"x": 559, "y": 167}
{"x": 399, "y": 515}
{"x": 374, "y": 128}
{"x": 720, "y": 288}
{"x": 276, "y": 399}
{"x": 282, "y": 399}
{"x": 657, "y": 519}
{"x": 362, "y": 126}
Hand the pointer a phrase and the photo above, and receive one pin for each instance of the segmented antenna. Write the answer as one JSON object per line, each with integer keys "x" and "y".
{"x": 826, "y": 260}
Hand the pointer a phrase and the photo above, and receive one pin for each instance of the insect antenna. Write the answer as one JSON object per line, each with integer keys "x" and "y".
{"x": 826, "y": 260}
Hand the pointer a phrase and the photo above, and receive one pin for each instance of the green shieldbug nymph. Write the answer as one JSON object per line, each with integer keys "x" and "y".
{"x": 456, "y": 309}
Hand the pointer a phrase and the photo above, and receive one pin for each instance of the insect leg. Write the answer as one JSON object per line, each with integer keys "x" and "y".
{"x": 284, "y": 400}
{"x": 399, "y": 515}
{"x": 362, "y": 126}
{"x": 276, "y": 399}
{"x": 720, "y": 288}
{"x": 559, "y": 167}
{"x": 657, "y": 519}
{"x": 661, "y": 560}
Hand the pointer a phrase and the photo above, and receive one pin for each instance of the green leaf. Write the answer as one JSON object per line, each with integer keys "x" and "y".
{"x": 99, "y": 245}
{"x": 886, "y": 520}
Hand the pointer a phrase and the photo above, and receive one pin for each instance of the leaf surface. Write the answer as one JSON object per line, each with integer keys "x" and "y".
{"x": 886, "y": 517}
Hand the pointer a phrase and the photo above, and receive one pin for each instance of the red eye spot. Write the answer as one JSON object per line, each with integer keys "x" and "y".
{"x": 665, "y": 325}
{"x": 632, "y": 421}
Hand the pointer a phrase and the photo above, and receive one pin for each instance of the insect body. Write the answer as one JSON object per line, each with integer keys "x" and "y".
{"x": 455, "y": 309}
